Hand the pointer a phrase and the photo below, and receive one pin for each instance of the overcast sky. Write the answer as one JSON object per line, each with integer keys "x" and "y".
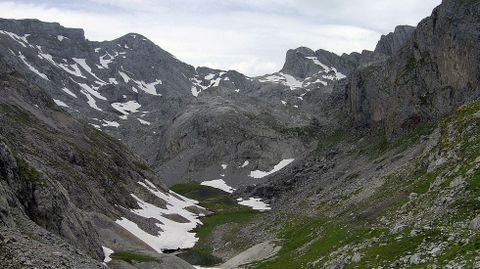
{"x": 250, "y": 36}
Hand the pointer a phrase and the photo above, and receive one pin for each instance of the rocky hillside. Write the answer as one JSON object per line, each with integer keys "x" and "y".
{"x": 70, "y": 193}
{"x": 399, "y": 187}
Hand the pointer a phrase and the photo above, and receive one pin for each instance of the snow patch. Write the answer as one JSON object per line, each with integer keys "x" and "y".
{"x": 90, "y": 90}
{"x": 86, "y": 67}
{"x": 197, "y": 87}
{"x": 283, "y": 79}
{"x": 111, "y": 124}
{"x": 209, "y": 76}
{"x": 127, "y": 108}
{"x": 91, "y": 102}
{"x": 31, "y": 67}
{"x": 96, "y": 126}
{"x": 174, "y": 234}
{"x": 255, "y": 204}
{"x": 292, "y": 82}
{"x": 71, "y": 69}
{"x": 276, "y": 168}
{"x": 336, "y": 75}
{"x": 124, "y": 76}
{"x": 105, "y": 62}
{"x": 60, "y": 103}
{"x": 149, "y": 87}
{"x": 245, "y": 164}
{"x": 218, "y": 184}
{"x": 67, "y": 91}
{"x": 22, "y": 40}
{"x": 107, "y": 252}
{"x": 144, "y": 122}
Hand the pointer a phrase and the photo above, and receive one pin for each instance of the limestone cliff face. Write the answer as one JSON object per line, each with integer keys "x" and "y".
{"x": 435, "y": 72}
{"x": 394, "y": 41}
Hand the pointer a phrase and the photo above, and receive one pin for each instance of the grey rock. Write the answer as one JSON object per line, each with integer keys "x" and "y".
{"x": 357, "y": 257}
{"x": 389, "y": 44}
{"x": 475, "y": 223}
{"x": 415, "y": 259}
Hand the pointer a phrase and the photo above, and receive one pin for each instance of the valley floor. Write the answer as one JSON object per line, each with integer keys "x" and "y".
{"x": 411, "y": 203}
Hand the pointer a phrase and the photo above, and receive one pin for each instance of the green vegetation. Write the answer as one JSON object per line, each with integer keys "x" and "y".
{"x": 297, "y": 233}
{"x": 327, "y": 141}
{"x": 132, "y": 257}
{"x": 315, "y": 241}
{"x": 16, "y": 113}
{"x": 28, "y": 172}
{"x": 377, "y": 145}
{"x": 225, "y": 210}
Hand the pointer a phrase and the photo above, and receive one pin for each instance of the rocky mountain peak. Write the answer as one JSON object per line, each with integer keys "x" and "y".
{"x": 392, "y": 42}
{"x": 36, "y": 27}
{"x": 300, "y": 63}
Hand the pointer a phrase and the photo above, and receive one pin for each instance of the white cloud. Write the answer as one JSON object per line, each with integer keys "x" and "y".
{"x": 250, "y": 36}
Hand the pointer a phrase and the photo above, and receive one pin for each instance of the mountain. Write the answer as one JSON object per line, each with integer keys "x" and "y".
{"x": 389, "y": 44}
{"x": 179, "y": 118}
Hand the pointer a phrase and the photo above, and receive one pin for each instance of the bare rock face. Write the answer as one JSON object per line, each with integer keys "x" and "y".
{"x": 394, "y": 41}
{"x": 298, "y": 65}
{"x": 475, "y": 224}
{"x": 435, "y": 72}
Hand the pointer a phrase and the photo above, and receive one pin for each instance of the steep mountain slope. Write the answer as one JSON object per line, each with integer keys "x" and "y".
{"x": 68, "y": 189}
{"x": 364, "y": 203}
{"x": 391, "y": 43}
{"x": 428, "y": 78}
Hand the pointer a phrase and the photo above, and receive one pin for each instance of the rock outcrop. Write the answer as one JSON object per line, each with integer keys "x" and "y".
{"x": 389, "y": 44}
{"x": 55, "y": 172}
{"x": 434, "y": 73}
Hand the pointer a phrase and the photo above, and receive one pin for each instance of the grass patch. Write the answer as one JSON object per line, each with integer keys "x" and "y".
{"x": 306, "y": 240}
{"x": 186, "y": 188}
{"x": 225, "y": 210}
{"x": 132, "y": 257}
{"x": 28, "y": 172}
{"x": 16, "y": 113}
{"x": 376, "y": 146}
{"x": 382, "y": 254}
